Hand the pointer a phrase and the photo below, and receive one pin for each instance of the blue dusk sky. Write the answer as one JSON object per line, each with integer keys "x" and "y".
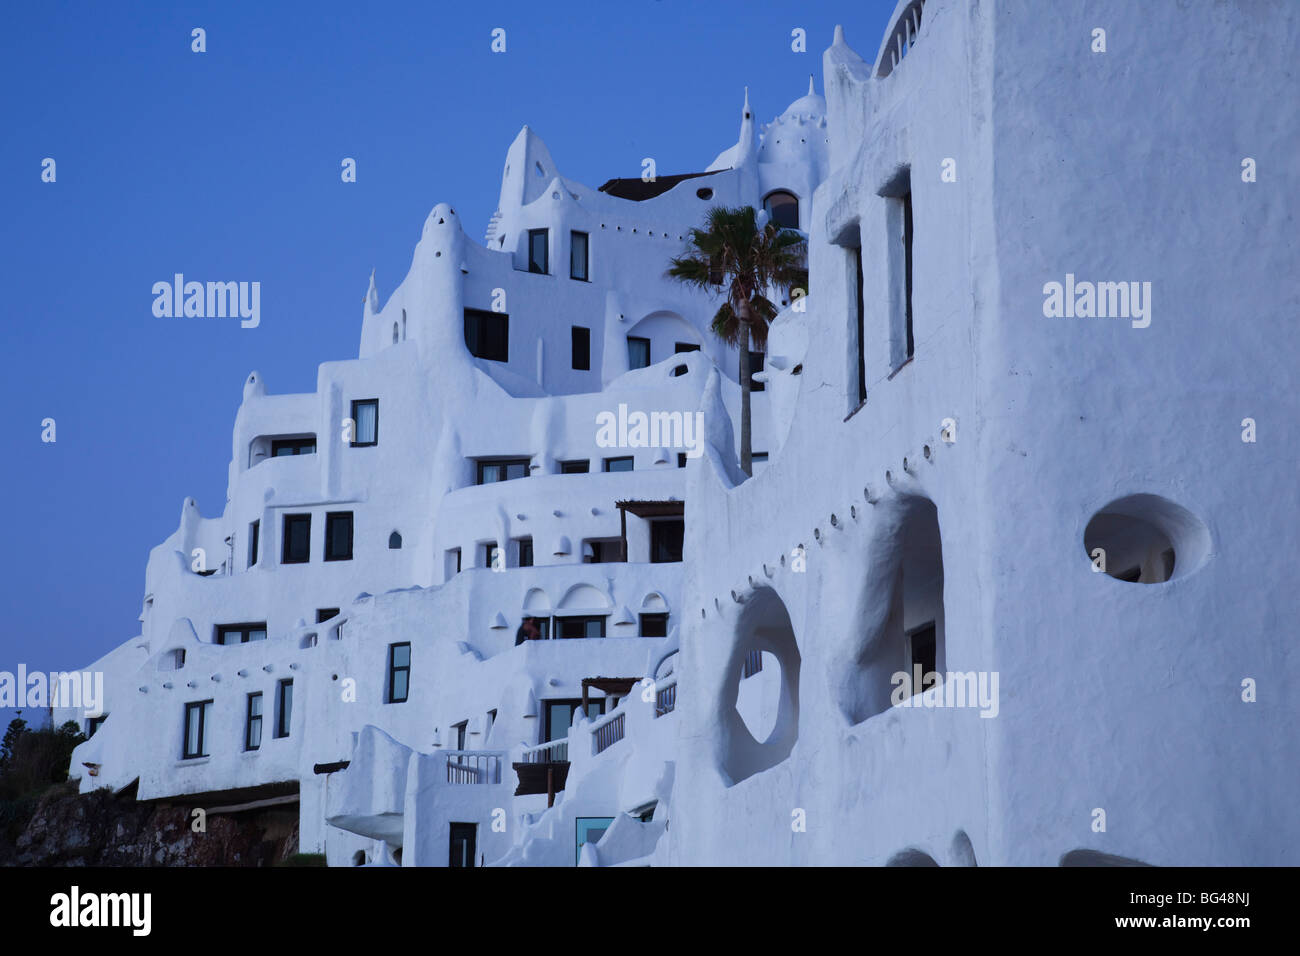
{"x": 225, "y": 165}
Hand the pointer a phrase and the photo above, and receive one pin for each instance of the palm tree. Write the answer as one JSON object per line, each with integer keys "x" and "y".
{"x": 745, "y": 257}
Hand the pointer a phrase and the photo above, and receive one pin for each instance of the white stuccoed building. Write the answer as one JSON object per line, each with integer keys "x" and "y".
{"x": 1006, "y": 441}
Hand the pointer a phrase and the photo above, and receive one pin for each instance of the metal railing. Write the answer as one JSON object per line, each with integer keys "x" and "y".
{"x": 607, "y": 734}
{"x": 665, "y": 698}
{"x": 753, "y": 664}
{"x": 473, "y": 766}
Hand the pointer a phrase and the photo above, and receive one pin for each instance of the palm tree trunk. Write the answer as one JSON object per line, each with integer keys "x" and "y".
{"x": 746, "y": 450}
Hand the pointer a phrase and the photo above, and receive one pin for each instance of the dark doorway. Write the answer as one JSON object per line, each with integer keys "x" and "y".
{"x": 463, "y": 844}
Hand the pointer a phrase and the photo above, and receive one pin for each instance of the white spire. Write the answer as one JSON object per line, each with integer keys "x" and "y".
{"x": 372, "y": 296}
{"x": 812, "y": 91}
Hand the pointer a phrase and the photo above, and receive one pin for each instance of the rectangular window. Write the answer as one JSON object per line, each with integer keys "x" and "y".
{"x": 560, "y": 714}
{"x": 283, "y": 708}
{"x": 533, "y": 629}
{"x": 506, "y": 469}
{"x": 654, "y": 625}
{"x": 254, "y": 534}
{"x": 324, "y": 614}
{"x": 603, "y": 550}
{"x": 666, "y": 540}
{"x": 283, "y": 447}
{"x": 296, "y": 547}
{"x": 578, "y": 256}
{"x": 681, "y": 459}
{"x": 575, "y": 627}
{"x": 253, "y": 722}
{"x": 907, "y": 265}
{"x": 365, "y": 422}
{"x": 399, "y": 672}
{"x": 524, "y": 554}
{"x": 575, "y": 467}
{"x": 861, "y": 329}
{"x": 451, "y": 563}
{"x": 93, "y": 724}
{"x": 487, "y": 334}
{"x": 755, "y": 365}
{"x": 538, "y": 258}
{"x": 240, "y": 633}
{"x": 462, "y": 841}
{"x": 460, "y": 729}
{"x": 619, "y": 464}
{"x": 581, "y": 341}
{"x": 489, "y": 554}
{"x": 898, "y": 225}
{"x": 638, "y": 352}
{"x": 197, "y": 716}
{"x": 338, "y": 536}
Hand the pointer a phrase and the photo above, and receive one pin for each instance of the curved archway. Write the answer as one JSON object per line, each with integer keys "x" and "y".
{"x": 764, "y": 627}
{"x": 911, "y": 857}
{"x": 782, "y": 208}
{"x": 659, "y": 335}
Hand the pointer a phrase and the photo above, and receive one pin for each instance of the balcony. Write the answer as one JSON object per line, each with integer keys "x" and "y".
{"x": 470, "y": 767}
{"x": 543, "y": 769}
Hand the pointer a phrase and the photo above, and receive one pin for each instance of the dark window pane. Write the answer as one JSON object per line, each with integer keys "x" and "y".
{"x": 537, "y": 251}
{"x": 338, "y": 536}
{"x": 654, "y": 625}
{"x": 487, "y": 334}
{"x": 581, "y": 348}
{"x": 575, "y": 467}
{"x": 297, "y": 539}
{"x": 618, "y": 464}
{"x": 783, "y": 209}
{"x": 638, "y": 352}
{"x": 666, "y": 540}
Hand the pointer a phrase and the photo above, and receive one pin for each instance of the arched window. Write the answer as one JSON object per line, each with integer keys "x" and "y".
{"x": 782, "y": 208}
{"x": 394, "y": 542}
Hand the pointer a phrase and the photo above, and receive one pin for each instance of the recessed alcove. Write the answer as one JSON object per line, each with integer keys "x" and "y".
{"x": 1146, "y": 539}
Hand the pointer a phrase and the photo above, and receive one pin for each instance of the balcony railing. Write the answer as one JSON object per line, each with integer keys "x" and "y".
{"x": 474, "y": 766}
{"x": 666, "y": 698}
{"x": 753, "y": 664}
{"x": 606, "y": 734}
{"x": 553, "y": 751}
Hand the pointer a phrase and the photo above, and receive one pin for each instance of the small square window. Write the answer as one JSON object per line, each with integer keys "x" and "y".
{"x": 575, "y": 467}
